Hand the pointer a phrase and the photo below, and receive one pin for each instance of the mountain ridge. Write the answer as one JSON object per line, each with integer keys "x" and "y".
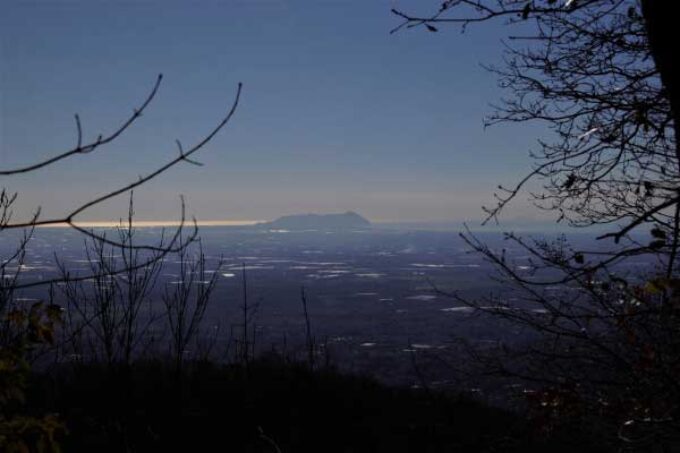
{"x": 310, "y": 221}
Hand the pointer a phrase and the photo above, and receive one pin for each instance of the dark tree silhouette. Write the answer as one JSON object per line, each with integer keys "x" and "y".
{"x": 113, "y": 322}
{"x": 8, "y": 198}
{"x": 607, "y": 92}
{"x": 605, "y": 348}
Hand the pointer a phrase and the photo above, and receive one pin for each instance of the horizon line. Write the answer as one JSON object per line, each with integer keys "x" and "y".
{"x": 243, "y": 222}
{"x": 152, "y": 223}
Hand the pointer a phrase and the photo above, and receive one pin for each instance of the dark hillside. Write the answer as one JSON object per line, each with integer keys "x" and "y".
{"x": 270, "y": 405}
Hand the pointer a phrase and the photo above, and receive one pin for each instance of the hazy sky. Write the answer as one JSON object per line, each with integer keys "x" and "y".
{"x": 336, "y": 113}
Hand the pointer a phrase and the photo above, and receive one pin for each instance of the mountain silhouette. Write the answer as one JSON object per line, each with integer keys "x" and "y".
{"x": 345, "y": 221}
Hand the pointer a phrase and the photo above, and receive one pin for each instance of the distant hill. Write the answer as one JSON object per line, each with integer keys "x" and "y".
{"x": 345, "y": 221}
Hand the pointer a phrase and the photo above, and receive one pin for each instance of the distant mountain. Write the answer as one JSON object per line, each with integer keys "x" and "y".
{"x": 346, "y": 221}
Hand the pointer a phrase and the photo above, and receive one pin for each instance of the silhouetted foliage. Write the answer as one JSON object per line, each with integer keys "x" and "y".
{"x": 601, "y": 75}
{"x": 186, "y": 301}
{"x": 272, "y": 406}
{"x": 588, "y": 71}
{"x": 108, "y": 322}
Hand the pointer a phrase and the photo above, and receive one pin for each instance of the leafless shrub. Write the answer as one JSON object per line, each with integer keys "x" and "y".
{"x": 186, "y": 301}
{"x": 107, "y": 277}
{"x": 115, "y": 308}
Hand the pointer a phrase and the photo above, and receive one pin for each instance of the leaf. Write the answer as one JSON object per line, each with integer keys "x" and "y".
{"x": 655, "y": 286}
{"x": 431, "y": 28}
{"x": 54, "y": 312}
{"x": 35, "y": 314}
{"x": 526, "y": 11}
{"x": 571, "y": 179}
{"x": 658, "y": 233}
{"x": 46, "y": 334}
{"x": 655, "y": 245}
{"x": 16, "y": 317}
{"x": 610, "y": 138}
{"x": 578, "y": 257}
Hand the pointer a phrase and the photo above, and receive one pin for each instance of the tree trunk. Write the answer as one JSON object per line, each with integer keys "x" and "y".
{"x": 662, "y": 31}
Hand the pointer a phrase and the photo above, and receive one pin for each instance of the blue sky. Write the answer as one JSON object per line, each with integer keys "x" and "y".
{"x": 336, "y": 113}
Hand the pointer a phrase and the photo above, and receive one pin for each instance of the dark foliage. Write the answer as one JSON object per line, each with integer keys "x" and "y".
{"x": 272, "y": 405}
{"x": 601, "y": 76}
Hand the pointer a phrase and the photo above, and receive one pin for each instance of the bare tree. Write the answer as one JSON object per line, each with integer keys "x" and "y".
{"x": 8, "y": 198}
{"x": 589, "y": 71}
{"x": 120, "y": 287}
{"x": 105, "y": 312}
{"x": 605, "y": 343}
{"x": 137, "y": 258}
{"x": 186, "y": 301}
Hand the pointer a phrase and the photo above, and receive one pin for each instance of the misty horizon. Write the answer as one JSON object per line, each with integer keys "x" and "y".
{"x": 424, "y": 223}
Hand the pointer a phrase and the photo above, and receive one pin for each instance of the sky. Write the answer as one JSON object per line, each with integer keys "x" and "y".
{"x": 336, "y": 113}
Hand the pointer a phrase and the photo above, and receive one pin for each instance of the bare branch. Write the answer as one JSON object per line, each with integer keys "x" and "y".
{"x": 84, "y": 149}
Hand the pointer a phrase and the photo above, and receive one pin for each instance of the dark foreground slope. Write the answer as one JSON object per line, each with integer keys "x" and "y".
{"x": 269, "y": 406}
